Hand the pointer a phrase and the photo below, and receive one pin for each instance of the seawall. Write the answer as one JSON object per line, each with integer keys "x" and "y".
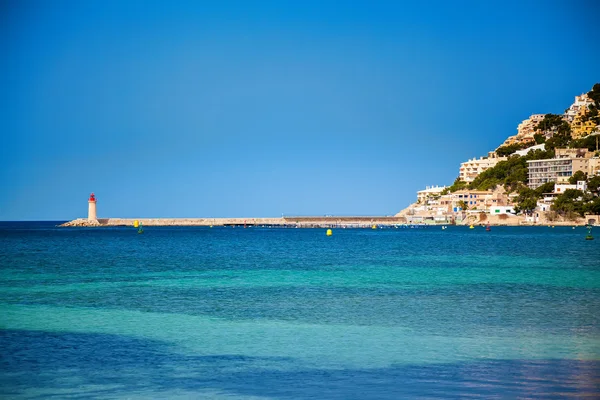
{"x": 302, "y": 222}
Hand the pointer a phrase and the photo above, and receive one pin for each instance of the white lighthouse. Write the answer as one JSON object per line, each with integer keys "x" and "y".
{"x": 92, "y": 208}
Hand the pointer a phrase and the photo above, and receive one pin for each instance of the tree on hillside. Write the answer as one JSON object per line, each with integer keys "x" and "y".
{"x": 593, "y": 207}
{"x": 594, "y": 95}
{"x": 555, "y": 126}
{"x": 547, "y": 187}
{"x": 457, "y": 185}
{"x": 592, "y": 113}
{"x": 526, "y": 200}
{"x": 553, "y": 122}
{"x": 539, "y": 138}
{"x": 510, "y": 173}
{"x": 559, "y": 140}
{"x": 571, "y": 201}
{"x": 588, "y": 142}
{"x": 507, "y": 150}
{"x": 577, "y": 176}
{"x": 526, "y": 205}
{"x": 593, "y": 184}
{"x": 539, "y": 155}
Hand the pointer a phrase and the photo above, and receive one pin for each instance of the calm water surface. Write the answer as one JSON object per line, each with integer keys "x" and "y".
{"x": 290, "y": 313}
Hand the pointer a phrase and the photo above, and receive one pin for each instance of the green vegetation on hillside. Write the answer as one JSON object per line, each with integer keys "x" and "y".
{"x": 457, "y": 185}
{"x": 575, "y": 202}
{"x": 527, "y": 199}
{"x": 588, "y": 142}
{"x": 593, "y": 185}
{"x": 504, "y": 151}
{"x": 578, "y": 176}
{"x": 539, "y": 138}
{"x": 560, "y": 129}
{"x": 511, "y": 173}
{"x": 593, "y": 113}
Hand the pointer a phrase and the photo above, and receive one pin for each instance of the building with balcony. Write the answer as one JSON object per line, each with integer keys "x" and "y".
{"x": 475, "y": 200}
{"x": 469, "y": 170}
{"x": 430, "y": 194}
{"x": 554, "y": 169}
{"x": 579, "y": 106}
{"x": 573, "y": 153}
{"x": 593, "y": 166}
{"x": 527, "y": 128}
{"x": 581, "y": 128}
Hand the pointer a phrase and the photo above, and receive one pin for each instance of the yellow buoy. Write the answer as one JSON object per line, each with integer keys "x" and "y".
{"x": 471, "y": 227}
{"x": 374, "y": 227}
{"x": 329, "y": 232}
{"x": 136, "y": 223}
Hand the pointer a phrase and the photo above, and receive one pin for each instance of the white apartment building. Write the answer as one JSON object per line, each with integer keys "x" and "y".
{"x": 429, "y": 194}
{"x": 560, "y": 188}
{"x": 579, "y": 106}
{"x": 469, "y": 170}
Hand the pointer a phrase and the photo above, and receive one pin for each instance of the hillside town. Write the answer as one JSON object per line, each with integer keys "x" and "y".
{"x": 548, "y": 173}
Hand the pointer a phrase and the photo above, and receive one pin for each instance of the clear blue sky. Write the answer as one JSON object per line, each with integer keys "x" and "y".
{"x": 216, "y": 109}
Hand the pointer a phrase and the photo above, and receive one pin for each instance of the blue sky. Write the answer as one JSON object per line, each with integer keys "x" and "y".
{"x": 217, "y": 109}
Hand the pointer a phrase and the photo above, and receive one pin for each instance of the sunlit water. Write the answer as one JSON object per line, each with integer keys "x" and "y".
{"x": 291, "y": 313}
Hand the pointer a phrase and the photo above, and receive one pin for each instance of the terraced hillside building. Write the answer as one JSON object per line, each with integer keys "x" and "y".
{"x": 469, "y": 170}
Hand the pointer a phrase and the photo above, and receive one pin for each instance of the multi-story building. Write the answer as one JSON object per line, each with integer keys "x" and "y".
{"x": 559, "y": 169}
{"x": 430, "y": 194}
{"x": 479, "y": 200}
{"x": 510, "y": 140}
{"x": 469, "y": 170}
{"x": 525, "y": 131}
{"x": 527, "y": 128}
{"x": 578, "y": 107}
{"x": 572, "y": 153}
{"x": 594, "y": 166}
{"x": 581, "y": 128}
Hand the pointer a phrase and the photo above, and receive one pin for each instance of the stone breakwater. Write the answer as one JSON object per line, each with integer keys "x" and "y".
{"x": 301, "y": 222}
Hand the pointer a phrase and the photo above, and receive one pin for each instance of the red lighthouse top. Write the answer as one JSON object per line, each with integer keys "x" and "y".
{"x": 92, "y": 197}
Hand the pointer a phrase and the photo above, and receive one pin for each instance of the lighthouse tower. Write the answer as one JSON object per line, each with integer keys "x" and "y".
{"x": 92, "y": 208}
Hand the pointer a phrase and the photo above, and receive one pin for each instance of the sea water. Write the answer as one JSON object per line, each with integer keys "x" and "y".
{"x": 223, "y": 313}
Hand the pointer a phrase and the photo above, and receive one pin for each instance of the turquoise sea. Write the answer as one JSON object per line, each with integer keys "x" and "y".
{"x": 277, "y": 313}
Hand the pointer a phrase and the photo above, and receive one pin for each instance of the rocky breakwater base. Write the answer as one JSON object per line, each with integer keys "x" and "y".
{"x": 84, "y": 222}
{"x": 300, "y": 222}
